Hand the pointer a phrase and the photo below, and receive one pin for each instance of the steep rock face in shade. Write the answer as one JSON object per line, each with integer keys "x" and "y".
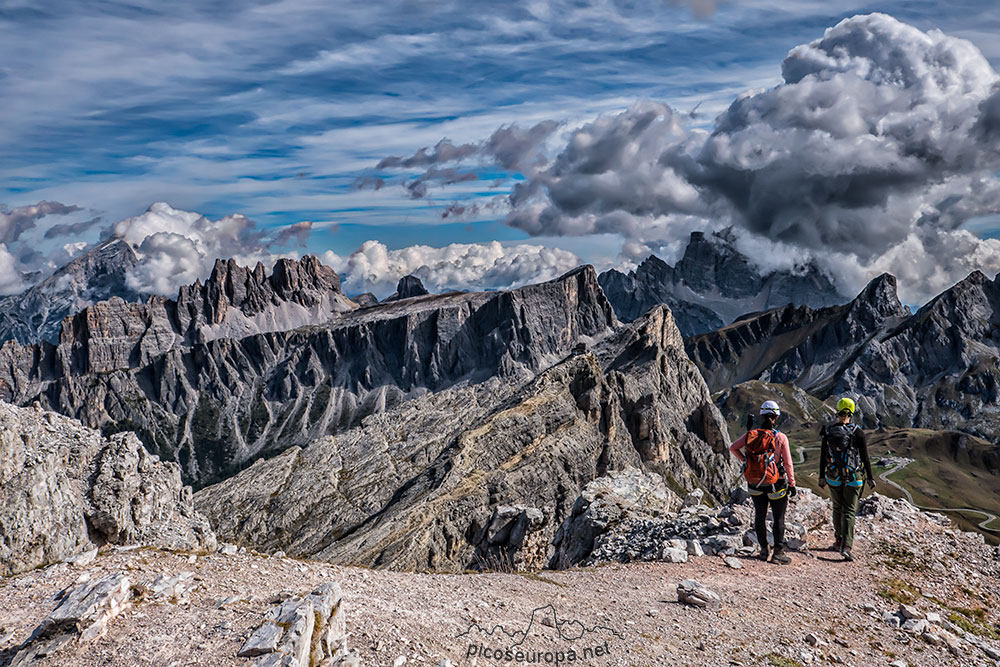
{"x": 650, "y": 284}
{"x": 99, "y": 274}
{"x": 65, "y": 489}
{"x": 936, "y": 368}
{"x": 799, "y": 345}
{"x": 940, "y": 369}
{"x": 712, "y": 285}
{"x": 214, "y": 404}
{"x": 437, "y": 481}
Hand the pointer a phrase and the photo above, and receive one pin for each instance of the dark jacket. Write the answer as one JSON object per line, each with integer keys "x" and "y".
{"x": 859, "y": 442}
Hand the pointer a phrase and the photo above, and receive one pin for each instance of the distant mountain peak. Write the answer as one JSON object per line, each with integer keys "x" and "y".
{"x": 653, "y": 269}
{"x": 93, "y": 276}
{"x": 879, "y": 301}
{"x": 408, "y": 286}
{"x": 882, "y": 289}
{"x": 712, "y": 262}
{"x": 712, "y": 284}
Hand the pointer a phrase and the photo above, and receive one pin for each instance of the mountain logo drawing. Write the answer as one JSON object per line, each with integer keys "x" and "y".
{"x": 570, "y": 630}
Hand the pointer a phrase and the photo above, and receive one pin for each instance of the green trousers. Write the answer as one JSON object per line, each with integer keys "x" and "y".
{"x": 845, "y": 508}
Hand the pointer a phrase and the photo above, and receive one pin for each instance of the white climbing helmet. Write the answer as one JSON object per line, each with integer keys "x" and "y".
{"x": 770, "y": 408}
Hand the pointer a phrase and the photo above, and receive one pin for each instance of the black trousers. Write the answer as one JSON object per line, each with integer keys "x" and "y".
{"x": 778, "y": 508}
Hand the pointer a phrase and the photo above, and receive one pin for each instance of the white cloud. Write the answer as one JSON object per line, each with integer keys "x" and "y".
{"x": 926, "y": 263}
{"x": 383, "y": 50}
{"x": 474, "y": 266}
{"x": 872, "y": 135}
{"x": 11, "y": 281}
{"x": 178, "y": 247}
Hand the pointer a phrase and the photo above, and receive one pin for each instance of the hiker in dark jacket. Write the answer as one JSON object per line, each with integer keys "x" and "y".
{"x": 844, "y": 467}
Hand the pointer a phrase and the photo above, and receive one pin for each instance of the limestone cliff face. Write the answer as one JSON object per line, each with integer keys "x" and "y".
{"x": 65, "y": 489}
{"x": 215, "y": 403}
{"x": 433, "y": 483}
{"x": 235, "y": 302}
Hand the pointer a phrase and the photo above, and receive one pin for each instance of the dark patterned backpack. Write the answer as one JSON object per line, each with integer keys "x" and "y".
{"x": 845, "y": 459}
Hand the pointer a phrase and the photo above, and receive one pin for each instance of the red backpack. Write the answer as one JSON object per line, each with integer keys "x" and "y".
{"x": 761, "y": 466}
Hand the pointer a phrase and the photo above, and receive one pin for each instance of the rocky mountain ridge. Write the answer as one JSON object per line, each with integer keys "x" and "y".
{"x": 215, "y": 403}
{"x": 712, "y": 285}
{"x": 425, "y": 485}
{"x": 935, "y": 368}
{"x": 801, "y": 345}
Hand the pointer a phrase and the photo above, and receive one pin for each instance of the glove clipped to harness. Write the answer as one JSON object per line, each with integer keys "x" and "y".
{"x": 791, "y": 492}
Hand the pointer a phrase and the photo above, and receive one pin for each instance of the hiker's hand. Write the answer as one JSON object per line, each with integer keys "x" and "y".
{"x": 791, "y": 492}
{"x": 871, "y": 482}
{"x": 822, "y": 482}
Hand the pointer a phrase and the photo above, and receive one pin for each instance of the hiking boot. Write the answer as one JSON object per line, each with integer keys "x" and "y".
{"x": 780, "y": 557}
{"x": 838, "y": 545}
{"x": 763, "y": 553}
{"x": 846, "y": 553}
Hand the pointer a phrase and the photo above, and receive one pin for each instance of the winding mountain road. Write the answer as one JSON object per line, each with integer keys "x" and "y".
{"x": 884, "y": 476}
{"x": 984, "y": 525}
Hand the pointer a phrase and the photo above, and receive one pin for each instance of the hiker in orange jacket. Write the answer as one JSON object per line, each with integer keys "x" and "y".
{"x": 767, "y": 467}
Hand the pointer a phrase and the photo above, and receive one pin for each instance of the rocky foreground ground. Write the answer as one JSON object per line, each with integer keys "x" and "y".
{"x": 818, "y": 610}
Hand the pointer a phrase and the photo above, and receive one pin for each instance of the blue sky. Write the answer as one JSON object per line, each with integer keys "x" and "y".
{"x": 274, "y": 110}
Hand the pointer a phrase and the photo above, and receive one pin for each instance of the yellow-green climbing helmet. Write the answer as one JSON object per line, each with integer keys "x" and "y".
{"x": 845, "y": 404}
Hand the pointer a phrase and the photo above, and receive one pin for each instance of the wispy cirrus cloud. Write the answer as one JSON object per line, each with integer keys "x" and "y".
{"x": 274, "y": 108}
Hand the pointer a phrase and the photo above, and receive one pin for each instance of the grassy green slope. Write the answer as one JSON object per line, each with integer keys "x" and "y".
{"x": 950, "y": 469}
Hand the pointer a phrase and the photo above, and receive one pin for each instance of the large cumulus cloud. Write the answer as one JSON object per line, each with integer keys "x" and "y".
{"x": 881, "y": 142}
{"x": 612, "y": 176}
{"x": 178, "y": 247}
{"x": 375, "y": 268}
{"x": 174, "y": 247}
{"x": 871, "y": 135}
